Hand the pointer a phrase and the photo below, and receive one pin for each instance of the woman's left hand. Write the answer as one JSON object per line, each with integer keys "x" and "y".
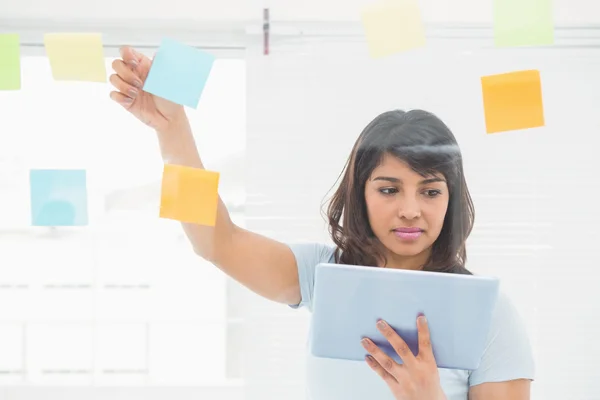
{"x": 418, "y": 377}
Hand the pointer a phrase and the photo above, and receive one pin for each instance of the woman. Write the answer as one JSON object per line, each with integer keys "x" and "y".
{"x": 404, "y": 204}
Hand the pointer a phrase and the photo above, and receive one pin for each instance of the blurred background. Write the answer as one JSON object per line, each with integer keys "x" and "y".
{"x": 122, "y": 308}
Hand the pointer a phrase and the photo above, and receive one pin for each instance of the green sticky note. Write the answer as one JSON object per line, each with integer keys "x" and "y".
{"x": 523, "y": 23}
{"x": 10, "y": 62}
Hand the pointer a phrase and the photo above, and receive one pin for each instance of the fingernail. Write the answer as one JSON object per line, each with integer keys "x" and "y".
{"x": 128, "y": 100}
{"x": 422, "y": 319}
{"x": 137, "y": 84}
{"x": 132, "y": 93}
{"x": 133, "y": 63}
{"x": 365, "y": 341}
{"x": 381, "y": 324}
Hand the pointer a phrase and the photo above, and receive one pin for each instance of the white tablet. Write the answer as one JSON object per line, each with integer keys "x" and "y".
{"x": 348, "y": 300}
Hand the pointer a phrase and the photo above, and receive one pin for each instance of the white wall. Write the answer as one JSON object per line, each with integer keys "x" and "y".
{"x": 434, "y": 11}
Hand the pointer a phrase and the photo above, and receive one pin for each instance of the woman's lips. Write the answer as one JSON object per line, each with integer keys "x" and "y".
{"x": 408, "y": 233}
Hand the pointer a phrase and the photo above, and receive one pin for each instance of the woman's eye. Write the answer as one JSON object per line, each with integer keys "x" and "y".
{"x": 429, "y": 193}
{"x": 388, "y": 191}
{"x": 433, "y": 193}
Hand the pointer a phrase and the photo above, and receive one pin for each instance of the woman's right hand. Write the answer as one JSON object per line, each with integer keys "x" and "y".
{"x": 131, "y": 71}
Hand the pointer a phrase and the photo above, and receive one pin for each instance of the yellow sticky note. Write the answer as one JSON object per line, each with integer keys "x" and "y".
{"x": 393, "y": 26}
{"x": 189, "y": 195}
{"x": 76, "y": 56}
{"x": 513, "y": 101}
{"x": 10, "y": 62}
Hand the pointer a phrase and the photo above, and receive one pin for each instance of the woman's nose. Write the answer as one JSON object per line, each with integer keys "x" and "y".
{"x": 409, "y": 208}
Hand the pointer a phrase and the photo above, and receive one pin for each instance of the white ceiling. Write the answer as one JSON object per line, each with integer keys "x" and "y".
{"x": 567, "y": 12}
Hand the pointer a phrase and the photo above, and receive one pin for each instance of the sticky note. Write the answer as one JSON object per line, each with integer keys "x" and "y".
{"x": 393, "y": 26}
{"x": 523, "y": 23}
{"x": 179, "y": 73}
{"x": 189, "y": 195}
{"x": 76, "y": 56}
{"x": 58, "y": 197}
{"x": 10, "y": 62}
{"x": 513, "y": 101}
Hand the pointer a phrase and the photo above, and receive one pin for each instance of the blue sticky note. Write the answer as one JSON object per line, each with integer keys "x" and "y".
{"x": 58, "y": 197}
{"x": 179, "y": 73}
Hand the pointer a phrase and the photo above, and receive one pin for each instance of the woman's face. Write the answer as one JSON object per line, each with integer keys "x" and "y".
{"x": 406, "y": 211}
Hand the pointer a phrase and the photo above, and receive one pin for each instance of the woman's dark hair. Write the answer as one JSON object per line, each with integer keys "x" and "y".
{"x": 427, "y": 145}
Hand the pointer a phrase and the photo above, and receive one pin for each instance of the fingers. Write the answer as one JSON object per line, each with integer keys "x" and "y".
{"x": 375, "y": 366}
{"x": 136, "y": 61}
{"x": 130, "y": 56}
{"x": 127, "y": 74}
{"x": 385, "y": 361}
{"x": 120, "y": 98}
{"x": 399, "y": 345}
{"x": 425, "y": 349}
{"x": 126, "y": 82}
{"x": 123, "y": 87}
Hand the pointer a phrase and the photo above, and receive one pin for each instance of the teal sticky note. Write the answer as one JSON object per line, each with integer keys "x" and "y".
{"x": 58, "y": 197}
{"x": 10, "y": 62}
{"x": 179, "y": 73}
{"x": 523, "y": 23}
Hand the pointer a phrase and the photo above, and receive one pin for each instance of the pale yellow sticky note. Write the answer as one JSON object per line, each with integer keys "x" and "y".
{"x": 513, "y": 101}
{"x": 189, "y": 195}
{"x": 393, "y": 26}
{"x": 76, "y": 56}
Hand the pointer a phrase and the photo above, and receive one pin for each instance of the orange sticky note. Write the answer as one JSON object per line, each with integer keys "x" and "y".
{"x": 513, "y": 101}
{"x": 189, "y": 195}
